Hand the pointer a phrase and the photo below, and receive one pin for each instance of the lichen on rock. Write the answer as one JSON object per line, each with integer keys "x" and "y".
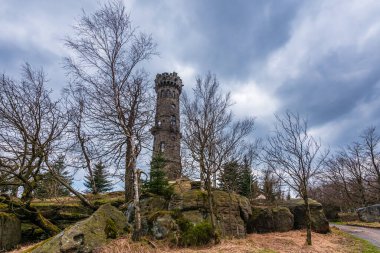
{"x": 106, "y": 223}
{"x": 10, "y": 231}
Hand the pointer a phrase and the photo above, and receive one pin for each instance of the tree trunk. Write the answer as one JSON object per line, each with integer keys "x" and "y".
{"x": 211, "y": 208}
{"x": 308, "y": 221}
{"x": 82, "y": 198}
{"x": 38, "y": 219}
{"x": 32, "y": 214}
{"x": 136, "y": 203}
{"x": 130, "y": 165}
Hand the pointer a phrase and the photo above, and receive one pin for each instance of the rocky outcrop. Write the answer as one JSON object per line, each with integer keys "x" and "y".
{"x": 163, "y": 225}
{"x": 232, "y": 212}
{"x": 319, "y": 223}
{"x": 10, "y": 231}
{"x": 106, "y": 223}
{"x": 369, "y": 213}
{"x": 270, "y": 219}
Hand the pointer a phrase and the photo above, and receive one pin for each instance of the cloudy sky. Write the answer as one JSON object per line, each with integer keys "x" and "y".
{"x": 320, "y": 58}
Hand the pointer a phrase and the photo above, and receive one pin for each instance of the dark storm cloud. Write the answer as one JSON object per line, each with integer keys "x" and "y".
{"x": 316, "y": 57}
{"x": 240, "y": 34}
{"x": 333, "y": 88}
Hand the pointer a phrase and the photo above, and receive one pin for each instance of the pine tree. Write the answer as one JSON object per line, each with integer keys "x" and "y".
{"x": 48, "y": 187}
{"x": 229, "y": 177}
{"x": 245, "y": 179}
{"x": 158, "y": 183}
{"x": 101, "y": 179}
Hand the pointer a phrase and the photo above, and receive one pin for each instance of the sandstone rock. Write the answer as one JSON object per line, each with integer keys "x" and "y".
{"x": 163, "y": 225}
{"x": 270, "y": 219}
{"x": 106, "y": 223}
{"x": 231, "y": 212}
{"x": 10, "y": 231}
{"x": 195, "y": 216}
{"x": 319, "y": 223}
{"x": 369, "y": 213}
{"x": 181, "y": 185}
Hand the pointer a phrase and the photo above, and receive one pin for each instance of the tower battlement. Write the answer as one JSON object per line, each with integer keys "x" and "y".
{"x": 168, "y": 80}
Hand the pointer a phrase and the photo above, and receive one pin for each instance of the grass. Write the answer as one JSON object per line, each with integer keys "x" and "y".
{"x": 358, "y": 244}
{"x": 359, "y": 224}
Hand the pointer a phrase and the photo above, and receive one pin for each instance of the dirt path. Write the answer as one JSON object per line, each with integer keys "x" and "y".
{"x": 370, "y": 234}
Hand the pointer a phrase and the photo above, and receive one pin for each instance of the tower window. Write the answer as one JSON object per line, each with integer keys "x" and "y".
{"x": 172, "y": 120}
{"x": 162, "y": 93}
{"x": 162, "y": 146}
{"x": 159, "y": 123}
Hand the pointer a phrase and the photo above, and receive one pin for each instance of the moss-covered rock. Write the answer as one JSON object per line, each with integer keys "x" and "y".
{"x": 10, "y": 231}
{"x": 369, "y": 213}
{"x": 319, "y": 222}
{"x": 162, "y": 225}
{"x": 270, "y": 219}
{"x": 106, "y": 223}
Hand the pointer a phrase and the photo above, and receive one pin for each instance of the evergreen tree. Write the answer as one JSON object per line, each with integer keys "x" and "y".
{"x": 48, "y": 187}
{"x": 245, "y": 179}
{"x": 158, "y": 183}
{"x": 229, "y": 176}
{"x": 101, "y": 178}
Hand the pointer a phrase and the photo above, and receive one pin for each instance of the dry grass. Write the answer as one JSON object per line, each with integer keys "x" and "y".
{"x": 292, "y": 242}
{"x": 361, "y": 224}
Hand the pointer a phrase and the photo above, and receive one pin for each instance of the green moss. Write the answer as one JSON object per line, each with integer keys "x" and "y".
{"x": 37, "y": 245}
{"x": 110, "y": 230}
{"x": 8, "y": 215}
{"x": 256, "y": 211}
{"x": 3, "y": 206}
{"x": 72, "y": 215}
{"x": 157, "y": 214}
{"x": 184, "y": 224}
{"x": 197, "y": 235}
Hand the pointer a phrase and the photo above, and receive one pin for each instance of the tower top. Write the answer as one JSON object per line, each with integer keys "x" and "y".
{"x": 168, "y": 80}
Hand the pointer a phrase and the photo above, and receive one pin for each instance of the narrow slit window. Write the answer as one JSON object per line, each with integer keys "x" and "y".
{"x": 173, "y": 120}
{"x": 162, "y": 146}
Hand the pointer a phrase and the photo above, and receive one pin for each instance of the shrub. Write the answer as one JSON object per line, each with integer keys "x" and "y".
{"x": 196, "y": 235}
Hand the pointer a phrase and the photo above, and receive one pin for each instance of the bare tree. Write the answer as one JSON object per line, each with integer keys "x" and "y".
{"x": 295, "y": 157}
{"x": 82, "y": 145}
{"x": 371, "y": 145}
{"x": 107, "y": 53}
{"x": 31, "y": 125}
{"x": 210, "y": 134}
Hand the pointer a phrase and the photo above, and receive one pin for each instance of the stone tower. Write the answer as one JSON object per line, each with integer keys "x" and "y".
{"x": 166, "y": 131}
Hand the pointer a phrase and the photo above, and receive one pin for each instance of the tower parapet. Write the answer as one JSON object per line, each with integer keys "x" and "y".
{"x": 168, "y": 80}
{"x": 166, "y": 130}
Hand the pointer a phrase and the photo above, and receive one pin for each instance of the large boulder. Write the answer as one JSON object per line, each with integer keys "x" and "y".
{"x": 270, "y": 219}
{"x": 106, "y": 223}
{"x": 369, "y": 213}
{"x": 319, "y": 222}
{"x": 231, "y": 210}
{"x": 162, "y": 225}
{"x": 232, "y": 213}
{"x": 10, "y": 231}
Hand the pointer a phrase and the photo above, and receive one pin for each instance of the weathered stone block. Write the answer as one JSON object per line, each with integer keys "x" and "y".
{"x": 270, "y": 219}
{"x": 106, "y": 223}
{"x": 369, "y": 213}
{"x": 10, "y": 231}
{"x": 319, "y": 222}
